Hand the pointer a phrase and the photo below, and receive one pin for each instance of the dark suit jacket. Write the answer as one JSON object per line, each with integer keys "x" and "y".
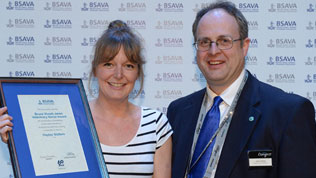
{"x": 283, "y": 123}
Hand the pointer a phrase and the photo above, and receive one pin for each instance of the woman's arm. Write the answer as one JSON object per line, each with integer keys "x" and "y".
{"x": 162, "y": 160}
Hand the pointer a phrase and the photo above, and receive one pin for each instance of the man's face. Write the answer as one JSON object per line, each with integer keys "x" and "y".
{"x": 220, "y": 67}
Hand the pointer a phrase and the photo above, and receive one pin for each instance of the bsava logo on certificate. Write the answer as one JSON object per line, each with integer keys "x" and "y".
{"x": 52, "y": 134}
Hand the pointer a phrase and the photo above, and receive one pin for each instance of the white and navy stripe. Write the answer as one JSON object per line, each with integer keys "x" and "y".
{"x": 136, "y": 159}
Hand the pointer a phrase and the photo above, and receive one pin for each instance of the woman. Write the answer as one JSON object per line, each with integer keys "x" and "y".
{"x": 135, "y": 140}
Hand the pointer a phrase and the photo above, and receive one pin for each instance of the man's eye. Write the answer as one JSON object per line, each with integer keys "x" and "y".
{"x": 224, "y": 40}
{"x": 204, "y": 42}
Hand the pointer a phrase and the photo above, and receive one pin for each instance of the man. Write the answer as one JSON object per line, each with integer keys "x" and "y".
{"x": 262, "y": 132}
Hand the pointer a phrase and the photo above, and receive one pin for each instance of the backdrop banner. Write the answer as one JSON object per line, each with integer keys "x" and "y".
{"x": 55, "y": 39}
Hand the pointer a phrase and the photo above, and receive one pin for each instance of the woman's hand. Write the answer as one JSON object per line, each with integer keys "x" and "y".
{"x": 5, "y": 124}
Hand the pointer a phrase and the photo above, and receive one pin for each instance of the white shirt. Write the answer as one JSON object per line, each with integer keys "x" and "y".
{"x": 228, "y": 96}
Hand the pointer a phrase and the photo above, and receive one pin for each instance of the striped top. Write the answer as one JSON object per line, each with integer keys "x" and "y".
{"x": 136, "y": 158}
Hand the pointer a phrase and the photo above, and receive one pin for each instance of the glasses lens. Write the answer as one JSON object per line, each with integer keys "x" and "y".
{"x": 224, "y": 42}
{"x": 203, "y": 45}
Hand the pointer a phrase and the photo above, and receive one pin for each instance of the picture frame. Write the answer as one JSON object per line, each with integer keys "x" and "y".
{"x": 53, "y": 131}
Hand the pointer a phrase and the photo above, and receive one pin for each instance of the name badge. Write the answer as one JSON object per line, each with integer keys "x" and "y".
{"x": 260, "y": 158}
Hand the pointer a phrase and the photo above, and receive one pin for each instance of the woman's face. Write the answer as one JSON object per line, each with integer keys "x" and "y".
{"x": 116, "y": 78}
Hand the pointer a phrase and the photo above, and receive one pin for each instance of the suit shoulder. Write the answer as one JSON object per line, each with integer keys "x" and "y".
{"x": 279, "y": 96}
{"x": 184, "y": 100}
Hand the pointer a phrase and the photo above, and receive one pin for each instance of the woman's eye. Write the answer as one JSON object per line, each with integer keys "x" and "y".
{"x": 107, "y": 64}
{"x": 130, "y": 66}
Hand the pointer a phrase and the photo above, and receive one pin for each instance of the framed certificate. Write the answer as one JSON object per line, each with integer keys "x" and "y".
{"x": 53, "y": 130}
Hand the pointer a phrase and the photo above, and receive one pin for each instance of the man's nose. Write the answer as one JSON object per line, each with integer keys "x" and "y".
{"x": 213, "y": 48}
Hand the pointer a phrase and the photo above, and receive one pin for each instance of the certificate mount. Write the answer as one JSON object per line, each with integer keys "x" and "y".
{"x": 53, "y": 133}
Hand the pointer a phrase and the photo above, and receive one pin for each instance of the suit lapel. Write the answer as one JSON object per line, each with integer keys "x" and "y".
{"x": 243, "y": 122}
{"x": 190, "y": 116}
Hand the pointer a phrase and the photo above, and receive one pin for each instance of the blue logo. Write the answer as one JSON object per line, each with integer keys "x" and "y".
{"x": 254, "y": 43}
{"x": 270, "y": 62}
{"x": 85, "y": 7}
{"x": 270, "y": 79}
{"x": 47, "y": 59}
{"x": 310, "y": 43}
{"x": 24, "y": 74}
{"x": 248, "y": 7}
{"x": 159, "y": 8}
{"x": 170, "y": 7}
{"x": 24, "y": 40}
{"x": 10, "y": 59}
{"x": 95, "y": 6}
{"x": 282, "y": 25}
{"x": 310, "y": 8}
{"x": 10, "y": 6}
{"x": 10, "y": 24}
{"x": 20, "y": 5}
{"x": 271, "y": 27}
{"x": 283, "y": 7}
{"x": 308, "y": 79}
{"x": 271, "y": 44}
{"x": 311, "y": 26}
{"x": 10, "y": 42}
{"x": 47, "y": 25}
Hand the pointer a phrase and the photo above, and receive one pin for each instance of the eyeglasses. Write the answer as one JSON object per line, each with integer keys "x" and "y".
{"x": 223, "y": 43}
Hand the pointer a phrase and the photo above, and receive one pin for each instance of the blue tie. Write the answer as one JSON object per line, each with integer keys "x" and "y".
{"x": 209, "y": 127}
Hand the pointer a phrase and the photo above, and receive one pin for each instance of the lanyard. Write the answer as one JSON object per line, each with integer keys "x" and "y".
{"x": 222, "y": 129}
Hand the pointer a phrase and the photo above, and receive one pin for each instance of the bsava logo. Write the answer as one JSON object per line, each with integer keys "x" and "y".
{"x": 58, "y": 6}
{"x": 90, "y": 41}
{"x": 21, "y": 41}
{"x": 310, "y": 61}
{"x": 282, "y": 25}
{"x": 253, "y": 43}
{"x": 248, "y": 7}
{"x": 282, "y": 60}
{"x": 253, "y": 25}
{"x": 95, "y": 6}
{"x": 20, "y": 5}
{"x": 173, "y": 42}
{"x": 284, "y": 78}
{"x": 23, "y": 74}
{"x": 21, "y": 23}
{"x": 251, "y": 60}
{"x": 134, "y": 92}
{"x": 283, "y": 7}
{"x": 95, "y": 24}
{"x": 198, "y": 77}
{"x": 24, "y": 58}
{"x": 170, "y": 7}
{"x": 282, "y": 43}
{"x": 310, "y": 78}
{"x": 169, "y": 60}
{"x": 136, "y": 24}
{"x": 133, "y": 7}
{"x": 200, "y": 6}
{"x": 169, "y": 77}
{"x": 171, "y": 94}
{"x": 311, "y": 8}
{"x": 58, "y": 58}
{"x": 311, "y": 43}
{"x": 59, "y": 74}
{"x": 61, "y": 41}
{"x": 58, "y": 23}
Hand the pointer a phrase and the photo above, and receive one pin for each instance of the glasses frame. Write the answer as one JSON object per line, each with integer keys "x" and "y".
{"x": 216, "y": 42}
